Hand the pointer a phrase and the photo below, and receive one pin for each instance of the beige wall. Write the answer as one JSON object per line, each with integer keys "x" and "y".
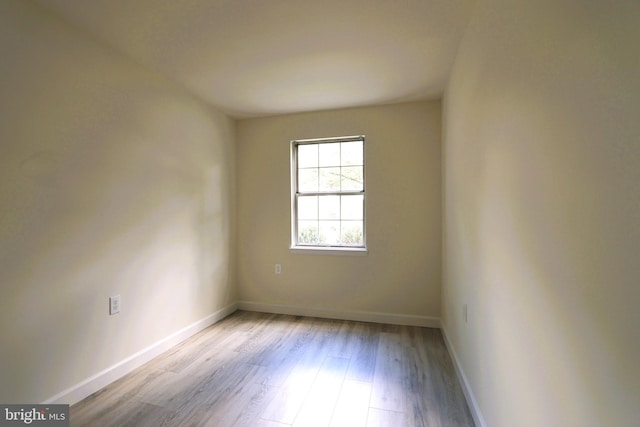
{"x": 542, "y": 212}
{"x": 401, "y": 273}
{"x": 112, "y": 181}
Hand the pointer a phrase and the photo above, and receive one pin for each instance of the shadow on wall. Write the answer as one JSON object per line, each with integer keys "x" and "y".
{"x": 123, "y": 210}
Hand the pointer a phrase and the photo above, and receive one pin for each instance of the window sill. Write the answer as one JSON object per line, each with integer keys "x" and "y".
{"x": 320, "y": 250}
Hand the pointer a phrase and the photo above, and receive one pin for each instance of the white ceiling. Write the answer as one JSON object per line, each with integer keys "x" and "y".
{"x": 265, "y": 57}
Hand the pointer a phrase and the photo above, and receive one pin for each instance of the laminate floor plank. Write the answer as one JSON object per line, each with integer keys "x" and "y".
{"x": 343, "y": 340}
{"x": 267, "y": 370}
{"x": 363, "y": 360}
{"x": 290, "y": 397}
{"x": 102, "y": 403}
{"x": 267, "y": 423}
{"x": 239, "y": 405}
{"x": 383, "y": 418}
{"x": 127, "y": 413}
{"x": 352, "y": 405}
{"x": 229, "y": 330}
{"x": 418, "y": 367}
{"x": 320, "y": 403}
{"x": 445, "y": 389}
{"x": 389, "y": 380}
{"x": 281, "y": 356}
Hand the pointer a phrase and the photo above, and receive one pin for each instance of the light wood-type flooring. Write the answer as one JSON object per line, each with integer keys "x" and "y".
{"x": 268, "y": 370}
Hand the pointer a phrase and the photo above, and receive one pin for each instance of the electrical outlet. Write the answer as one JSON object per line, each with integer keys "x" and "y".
{"x": 465, "y": 313}
{"x": 278, "y": 268}
{"x": 114, "y": 305}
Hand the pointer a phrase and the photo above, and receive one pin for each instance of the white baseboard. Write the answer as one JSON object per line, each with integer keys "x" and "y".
{"x": 94, "y": 383}
{"x": 362, "y": 316}
{"x": 466, "y": 387}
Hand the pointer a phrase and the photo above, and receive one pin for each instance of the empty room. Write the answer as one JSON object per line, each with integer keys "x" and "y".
{"x": 320, "y": 213}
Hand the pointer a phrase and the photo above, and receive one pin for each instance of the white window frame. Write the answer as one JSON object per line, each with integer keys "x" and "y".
{"x": 326, "y": 249}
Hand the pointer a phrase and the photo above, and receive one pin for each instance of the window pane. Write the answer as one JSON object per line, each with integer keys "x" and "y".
{"x": 351, "y": 153}
{"x": 330, "y": 218}
{"x": 308, "y": 232}
{"x": 308, "y": 156}
{"x": 352, "y": 233}
{"x": 330, "y": 179}
{"x": 329, "y": 207}
{"x": 308, "y": 180}
{"x": 329, "y": 154}
{"x": 352, "y": 207}
{"x": 352, "y": 178}
{"x": 308, "y": 207}
{"x": 329, "y": 232}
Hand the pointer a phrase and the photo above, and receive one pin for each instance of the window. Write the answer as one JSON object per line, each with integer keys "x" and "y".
{"x": 328, "y": 193}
